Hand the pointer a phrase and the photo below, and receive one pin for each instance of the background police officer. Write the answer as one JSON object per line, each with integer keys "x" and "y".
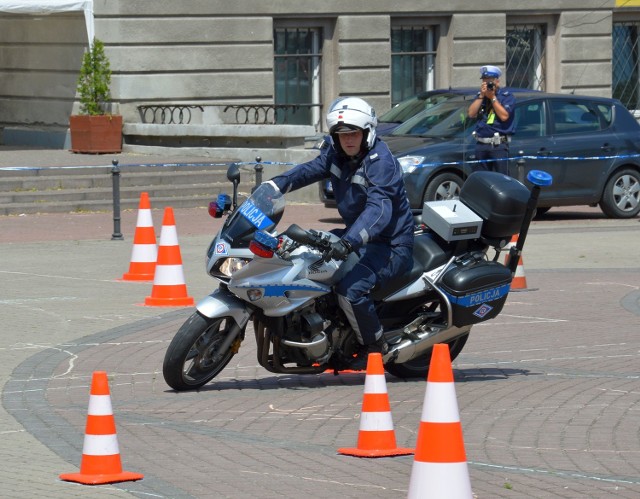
{"x": 493, "y": 106}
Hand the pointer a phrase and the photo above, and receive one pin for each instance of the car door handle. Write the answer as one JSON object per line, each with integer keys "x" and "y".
{"x": 543, "y": 152}
{"x": 606, "y": 147}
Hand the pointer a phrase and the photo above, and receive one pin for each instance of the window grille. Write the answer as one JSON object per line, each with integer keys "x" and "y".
{"x": 526, "y": 56}
{"x": 413, "y": 58}
{"x": 625, "y": 58}
{"x": 297, "y": 61}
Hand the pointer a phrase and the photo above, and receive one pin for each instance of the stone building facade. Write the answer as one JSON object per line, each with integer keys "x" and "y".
{"x": 213, "y": 54}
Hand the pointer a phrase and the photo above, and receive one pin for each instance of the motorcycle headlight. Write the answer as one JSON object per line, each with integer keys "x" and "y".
{"x": 410, "y": 163}
{"x": 229, "y": 266}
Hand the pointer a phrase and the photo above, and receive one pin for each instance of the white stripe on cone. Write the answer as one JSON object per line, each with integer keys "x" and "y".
{"x": 440, "y": 403}
{"x": 167, "y": 275}
{"x": 144, "y": 253}
{"x": 441, "y": 480}
{"x": 100, "y": 405}
{"x": 376, "y": 421}
{"x": 375, "y": 383}
{"x": 100, "y": 445}
{"x": 144, "y": 218}
{"x": 169, "y": 236}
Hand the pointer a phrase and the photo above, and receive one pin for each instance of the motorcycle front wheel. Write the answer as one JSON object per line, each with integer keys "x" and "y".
{"x": 419, "y": 367}
{"x": 193, "y": 357}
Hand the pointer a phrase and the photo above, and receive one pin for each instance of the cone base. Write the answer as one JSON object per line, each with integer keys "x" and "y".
{"x": 83, "y": 478}
{"x": 137, "y": 277}
{"x": 186, "y": 301}
{"x": 400, "y": 451}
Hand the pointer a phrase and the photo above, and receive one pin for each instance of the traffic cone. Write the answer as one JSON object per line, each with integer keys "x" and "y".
{"x": 440, "y": 463}
{"x": 169, "y": 288}
{"x": 145, "y": 251}
{"x": 376, "y": 437}
{"x": 519, "y": 281}
{"x": 100, "y": 453}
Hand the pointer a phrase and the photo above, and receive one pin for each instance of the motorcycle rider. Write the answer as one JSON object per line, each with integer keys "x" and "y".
{"x": 372, "y": 201}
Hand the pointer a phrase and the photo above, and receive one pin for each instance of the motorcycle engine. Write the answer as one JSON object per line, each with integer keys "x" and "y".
{"x": 309, "y": 334}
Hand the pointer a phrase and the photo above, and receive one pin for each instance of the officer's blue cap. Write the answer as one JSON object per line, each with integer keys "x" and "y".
{"x": 490, "y": 72}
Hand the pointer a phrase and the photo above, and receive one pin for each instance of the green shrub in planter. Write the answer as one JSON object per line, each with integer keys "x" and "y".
{"x": 95, "y": 130}
{"x": 94, "y": 81}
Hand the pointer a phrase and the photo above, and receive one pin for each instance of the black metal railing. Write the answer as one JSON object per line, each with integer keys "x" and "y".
{"x": 168, "y": 114}
{"x": 242, "y": 114}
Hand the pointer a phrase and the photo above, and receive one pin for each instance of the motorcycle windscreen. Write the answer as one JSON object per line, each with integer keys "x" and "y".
{"x": 261, "y": 211}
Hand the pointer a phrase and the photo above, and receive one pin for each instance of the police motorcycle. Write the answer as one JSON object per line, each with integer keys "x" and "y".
{"x": 282, "y": 282}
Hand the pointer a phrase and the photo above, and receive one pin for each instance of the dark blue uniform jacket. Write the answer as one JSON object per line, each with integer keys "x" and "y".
{"x": 486, "y": 126}
{"x": 371, "y": 197}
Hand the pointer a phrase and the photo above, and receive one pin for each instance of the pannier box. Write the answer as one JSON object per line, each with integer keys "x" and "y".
{"x": 452, "y": 220}
{"x": 477, "y": 291}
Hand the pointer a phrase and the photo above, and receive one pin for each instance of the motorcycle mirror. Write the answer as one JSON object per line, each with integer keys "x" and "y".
{"x": 233, "y": 173}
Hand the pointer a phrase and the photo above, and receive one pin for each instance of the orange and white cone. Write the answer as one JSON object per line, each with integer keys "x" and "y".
{"x": 376, "y": 437}
{"x": 440, "y": 463}
{"x": 100, "y": 453}
{"x": 519, "y": 281}
{"x": 145, "y": 251}
{"x": 169, "y": 287}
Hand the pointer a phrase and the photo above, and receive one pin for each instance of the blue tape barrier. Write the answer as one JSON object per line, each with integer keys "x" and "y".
{"x": 280, "y": 163}
{"x": 537, "y": 158}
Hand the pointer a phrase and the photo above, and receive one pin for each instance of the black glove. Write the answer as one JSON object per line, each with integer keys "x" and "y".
{"x": 338, "y": 250}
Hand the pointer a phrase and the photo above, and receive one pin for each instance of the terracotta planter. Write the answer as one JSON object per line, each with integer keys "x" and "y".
{"x": 96, "y": 134}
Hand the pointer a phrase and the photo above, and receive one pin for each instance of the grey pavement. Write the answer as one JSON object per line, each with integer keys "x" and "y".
{"x": 548, "y": 392}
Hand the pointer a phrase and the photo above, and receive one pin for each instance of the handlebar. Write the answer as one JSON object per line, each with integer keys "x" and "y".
{"x": 308, "y": 237}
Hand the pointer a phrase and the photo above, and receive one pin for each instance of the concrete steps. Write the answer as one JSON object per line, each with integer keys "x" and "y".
{"x": 80, "y": 189}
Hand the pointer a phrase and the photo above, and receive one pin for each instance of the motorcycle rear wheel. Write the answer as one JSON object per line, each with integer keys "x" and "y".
{"x": 419, "y": 367}
{"x": 192, "y": 359}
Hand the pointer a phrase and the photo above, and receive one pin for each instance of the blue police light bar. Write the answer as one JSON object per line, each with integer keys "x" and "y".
{"x": 266, "y": 240}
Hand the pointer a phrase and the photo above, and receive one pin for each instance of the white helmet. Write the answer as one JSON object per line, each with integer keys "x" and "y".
{"x": 352, "y": 113}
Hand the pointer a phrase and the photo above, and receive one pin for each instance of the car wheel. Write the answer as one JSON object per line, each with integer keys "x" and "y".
{"x": 442, "y": 187}
{"x": 621, "y": 196}
{"x": 539, "y": 213}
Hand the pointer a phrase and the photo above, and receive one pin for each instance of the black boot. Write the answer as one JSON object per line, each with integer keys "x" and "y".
{"x": 380, "y": 346}
{"x": 359, "y": 363}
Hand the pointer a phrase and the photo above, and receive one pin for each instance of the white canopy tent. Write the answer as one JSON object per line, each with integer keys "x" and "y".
{"x": 40, "y": 7}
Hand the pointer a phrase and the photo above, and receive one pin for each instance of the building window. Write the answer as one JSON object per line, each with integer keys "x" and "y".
{"x": 297, "y": 61}
{"x": 526, "y": 56}
{"x": 413, "y": 57}
{"x": 625, "y": 59}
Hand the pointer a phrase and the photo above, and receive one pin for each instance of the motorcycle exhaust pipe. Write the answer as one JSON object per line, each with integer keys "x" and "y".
{"x": 316, "y": 348}
{"x": 416, "y": 340}
{"x": 409, "y": 349}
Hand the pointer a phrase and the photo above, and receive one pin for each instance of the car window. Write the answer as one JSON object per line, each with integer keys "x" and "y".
{"x": 574, "y": 117}
{"x": 445, "y": 119}
{"x": 530, "y": 120}
{"x": 406, "y": 109}
{"x": 606, "y": 111}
